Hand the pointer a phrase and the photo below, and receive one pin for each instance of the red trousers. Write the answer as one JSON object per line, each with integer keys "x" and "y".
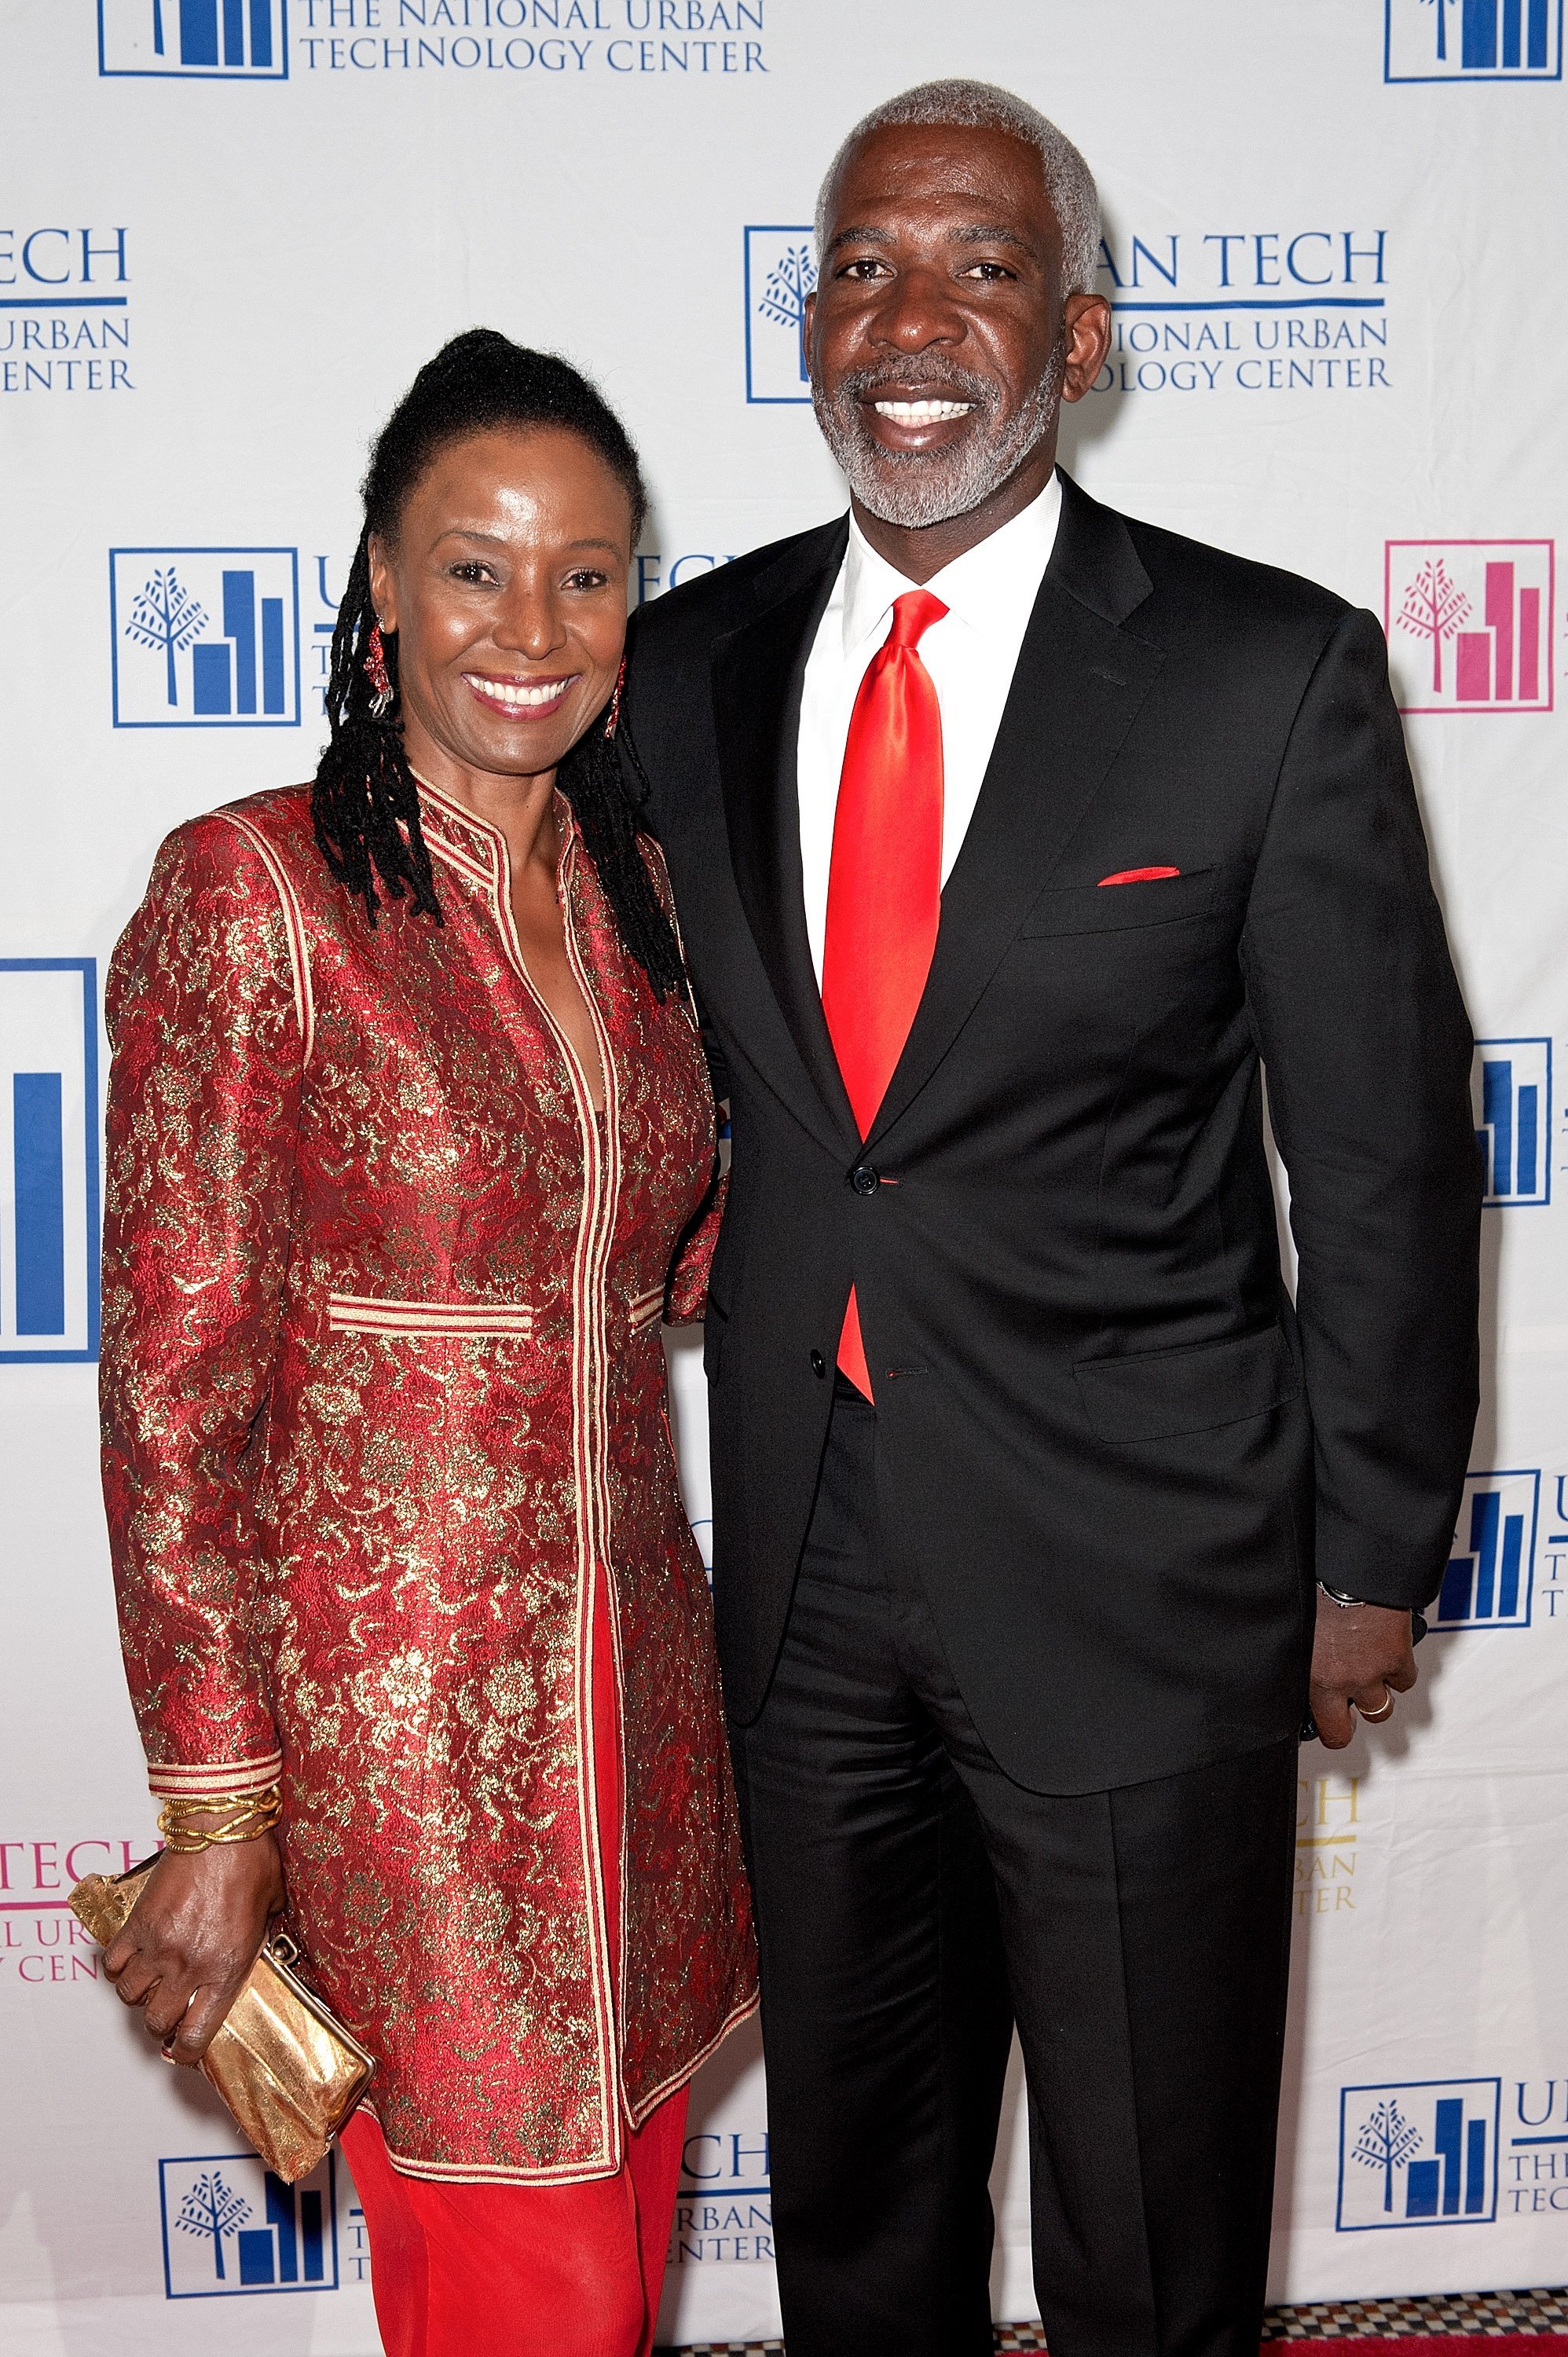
{"x": 520, "y": 2270}
{"x": 530, "y": 2270}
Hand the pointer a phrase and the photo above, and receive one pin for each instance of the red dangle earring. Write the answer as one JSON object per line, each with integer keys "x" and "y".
{"x": 377, "y": 673}
{"x": 613, "y": 715}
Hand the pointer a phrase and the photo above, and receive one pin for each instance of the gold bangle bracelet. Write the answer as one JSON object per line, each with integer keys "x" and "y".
{"x": 241, "y": 1818}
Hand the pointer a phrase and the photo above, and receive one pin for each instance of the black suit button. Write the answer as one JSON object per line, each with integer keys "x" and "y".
{"x": 819, "y": 1364}
{"x": 863, "y": 1180}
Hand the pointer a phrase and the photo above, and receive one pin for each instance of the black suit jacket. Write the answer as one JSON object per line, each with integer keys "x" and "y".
{"x": 1114, "y": 1452}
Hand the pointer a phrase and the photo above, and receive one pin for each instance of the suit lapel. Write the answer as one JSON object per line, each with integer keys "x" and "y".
{"x": 757, "y": 674}
{"x": 1078, "y": 688}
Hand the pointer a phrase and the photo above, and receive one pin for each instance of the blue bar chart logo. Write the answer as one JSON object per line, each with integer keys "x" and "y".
{"x": 1511, "y": 1093}
{"x": 1490, "y": 1576}
{"x": 245, "y": 40}
{"x": 231, "y": 2226}
{"x": 1473, "y": 40}
{"x": 1424, "y": 2153}
{"x": 781, "y": 272}
{"x": 48, "y": 1159}
{"x": 205, "y": 638}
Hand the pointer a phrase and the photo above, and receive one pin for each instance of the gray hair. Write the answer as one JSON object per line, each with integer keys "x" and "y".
{"x": 983, "y": 106}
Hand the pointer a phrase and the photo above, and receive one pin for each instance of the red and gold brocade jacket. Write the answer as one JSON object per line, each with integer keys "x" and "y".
{"x": 384, "y": 1428}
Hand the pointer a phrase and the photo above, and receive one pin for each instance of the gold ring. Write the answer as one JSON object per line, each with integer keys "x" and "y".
{"x": 1376, "y": 1718}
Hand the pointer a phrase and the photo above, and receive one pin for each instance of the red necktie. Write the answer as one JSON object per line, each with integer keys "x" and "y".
{"x": 885, "y": 882}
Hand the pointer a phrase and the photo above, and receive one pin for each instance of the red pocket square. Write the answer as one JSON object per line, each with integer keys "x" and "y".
{"x": 1138, "y": 876}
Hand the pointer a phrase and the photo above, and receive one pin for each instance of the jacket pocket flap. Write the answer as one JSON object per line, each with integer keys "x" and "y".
{"x": 1158, "y": 1393}
{"x": 1116, "y": 907}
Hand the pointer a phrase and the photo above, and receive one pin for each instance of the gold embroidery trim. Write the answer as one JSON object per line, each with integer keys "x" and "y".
{"x": 294, "y": 926}
{"x": 358, "y": 1313}
{"x": 174, "y": 1781}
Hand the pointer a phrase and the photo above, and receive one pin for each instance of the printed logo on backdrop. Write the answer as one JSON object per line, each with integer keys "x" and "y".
{"x": 1536, "y": 2165}
{"x": 724, "y": 2208}
{"x": 224, "y": 40}
{"x": 1554, "y": 1587}
{"x": 1489, "y": 1580}
{"x": 1299, "y": 310}
{"x": 1469, "y": 624}
{"x": 64, "y": 315}
{"x": 781, "y": 272}
{"x": 1472, "y": 40}
{"x": 656, "y": 573}
{"x": 1327, "y": 1827}
{"x": 41, "y": 1944}
{"x": 1424, "y": 2153}
{"x": 231, "y": 2227}
{"x": 1510, "y": 1085}
{"x": 1302, "y": 308}
{"x": 684, "y": 40}
{"x": 205, "y": 638}
{"x": 653, "y": 574}
{"x": 48, "y": 1159}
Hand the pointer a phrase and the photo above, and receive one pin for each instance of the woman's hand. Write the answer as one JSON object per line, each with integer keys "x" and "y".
{"x": 192, "y": 1938}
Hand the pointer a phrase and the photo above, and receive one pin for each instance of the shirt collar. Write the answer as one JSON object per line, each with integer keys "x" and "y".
{"x": 991, "y": 587}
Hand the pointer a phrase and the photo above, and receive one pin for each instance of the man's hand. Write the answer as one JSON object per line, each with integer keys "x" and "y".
{"x": 192, "y": 1937}
{"x": 1361, "y": 1653}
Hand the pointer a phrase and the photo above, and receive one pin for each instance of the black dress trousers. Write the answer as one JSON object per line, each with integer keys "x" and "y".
{"x": 913, "y": 1902}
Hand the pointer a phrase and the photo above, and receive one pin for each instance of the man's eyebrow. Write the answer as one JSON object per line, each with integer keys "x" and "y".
{"x": 992, "y": 233}
{"x": 869, "y": 235}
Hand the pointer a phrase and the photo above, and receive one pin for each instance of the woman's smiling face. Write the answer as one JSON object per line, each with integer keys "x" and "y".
{"x": 506, "y": 584}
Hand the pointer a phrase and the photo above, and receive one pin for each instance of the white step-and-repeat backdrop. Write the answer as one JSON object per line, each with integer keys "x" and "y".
{"x": 232, "y": 229}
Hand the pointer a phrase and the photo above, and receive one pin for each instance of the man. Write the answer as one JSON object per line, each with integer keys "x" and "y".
{"x": 1011, "y": 837}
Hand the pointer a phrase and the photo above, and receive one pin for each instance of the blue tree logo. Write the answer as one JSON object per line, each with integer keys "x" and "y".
{"x": 211, "y": 2207}
{"x": 783, "y": 298}
{"x": 1386, "y": 2142}
{"x": 1442, "y": 7}
{"x": 164, "y": 618}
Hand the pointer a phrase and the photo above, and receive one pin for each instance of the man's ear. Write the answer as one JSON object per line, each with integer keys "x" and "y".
{"x": 807, "y": 316}
{"x": 1086, "y": 327}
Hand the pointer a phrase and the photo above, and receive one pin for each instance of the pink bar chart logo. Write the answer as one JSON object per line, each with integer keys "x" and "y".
{"x": 1470, "y": 624}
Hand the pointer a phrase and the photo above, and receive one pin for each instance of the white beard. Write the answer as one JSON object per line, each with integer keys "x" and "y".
{"x": 911, "y": 489}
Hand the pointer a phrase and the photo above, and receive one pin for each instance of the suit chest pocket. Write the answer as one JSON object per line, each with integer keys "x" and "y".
{"x": 1067, "y": 908}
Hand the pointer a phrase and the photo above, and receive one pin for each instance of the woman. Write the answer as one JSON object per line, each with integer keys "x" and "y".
{"x": 409, "y": 1135}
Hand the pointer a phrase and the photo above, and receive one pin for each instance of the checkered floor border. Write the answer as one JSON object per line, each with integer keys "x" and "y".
{"x": 1485, "y": 2313}
{"x": 1488, "y": 2313}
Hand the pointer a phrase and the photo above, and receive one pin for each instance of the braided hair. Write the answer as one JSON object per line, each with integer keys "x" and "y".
{"x": 364, "y": 801}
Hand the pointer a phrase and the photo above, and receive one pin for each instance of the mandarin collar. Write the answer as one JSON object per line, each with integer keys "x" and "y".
{"x": 452, "y": 827}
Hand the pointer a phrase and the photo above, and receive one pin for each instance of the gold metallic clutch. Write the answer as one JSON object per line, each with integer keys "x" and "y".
{"x": 290, "y": 2074}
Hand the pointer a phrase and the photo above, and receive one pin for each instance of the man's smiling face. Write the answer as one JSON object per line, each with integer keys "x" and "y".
{"x": 936, "y": 338}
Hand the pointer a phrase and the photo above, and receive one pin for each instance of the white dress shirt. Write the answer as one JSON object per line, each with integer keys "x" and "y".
{"x": 971, "y": 654}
